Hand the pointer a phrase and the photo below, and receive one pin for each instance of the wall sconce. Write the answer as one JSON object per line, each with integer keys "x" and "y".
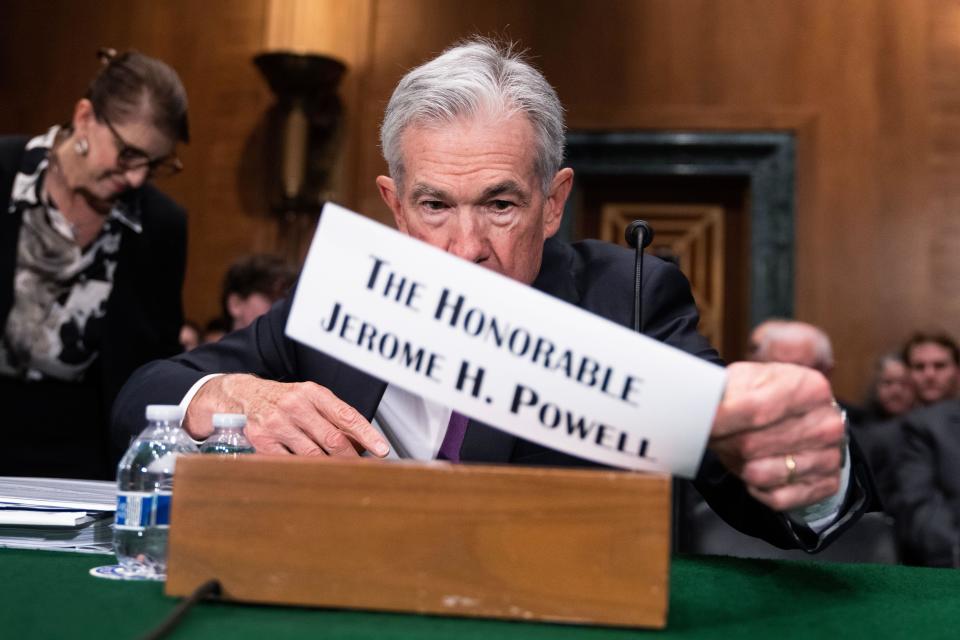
{"x": 302, "y": 135}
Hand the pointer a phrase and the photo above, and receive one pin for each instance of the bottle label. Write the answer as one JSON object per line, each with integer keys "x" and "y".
{"x": 161, "y": 511}
{"x": 133, "y": 511}
{"x": 137, "y": 510}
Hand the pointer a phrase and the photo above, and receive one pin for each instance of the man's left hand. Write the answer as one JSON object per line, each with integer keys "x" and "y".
{"x": 779, "y": 429}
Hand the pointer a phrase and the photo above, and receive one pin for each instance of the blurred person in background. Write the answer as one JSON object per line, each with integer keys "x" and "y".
{"x": 934, "y": 363}
{"x": 92, "y": 266}
{"x": 801, "y": 343}
{"x": 878, "y": 433}
{"x": 796, "y": 342}
{"x": 215, "y": 329}
{"x": 189, "y": 335}
{"x": 793, "y": 342}
{"x": 758, "y": 335}
{"x": 927, "y": 500}
{"x": 891, "y": 391}
{"x": 251, "y": 285}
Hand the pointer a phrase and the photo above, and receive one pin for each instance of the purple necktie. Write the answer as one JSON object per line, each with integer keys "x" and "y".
{"x": 453, "y": 439}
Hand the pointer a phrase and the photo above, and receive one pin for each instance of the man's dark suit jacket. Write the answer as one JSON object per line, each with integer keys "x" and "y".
{"x": 144, "y": 311}
{"x": 927, "y": 506}
{"x": 593, "y": 275}
{"x": 881, "y": 441}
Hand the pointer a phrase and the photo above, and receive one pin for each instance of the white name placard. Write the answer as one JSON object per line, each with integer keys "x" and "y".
{"x": 500, "y": 351}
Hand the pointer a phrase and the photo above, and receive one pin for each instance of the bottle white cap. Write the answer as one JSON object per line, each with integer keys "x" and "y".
{"x": 164, "y": 413}
{"x": 229, "y": 420}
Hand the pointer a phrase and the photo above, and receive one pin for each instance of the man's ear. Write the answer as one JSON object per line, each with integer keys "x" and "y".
{"x": 556, "y": 201}
{"x": 391, "y": 196}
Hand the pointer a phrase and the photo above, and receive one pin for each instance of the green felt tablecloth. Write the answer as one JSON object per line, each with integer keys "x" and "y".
{"x": 51, "y": 595}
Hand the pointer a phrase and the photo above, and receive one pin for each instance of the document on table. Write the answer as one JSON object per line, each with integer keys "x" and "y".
{"x": 86, "y": 495}
{"x": 57, "y": 514}
{"x": 45, "y": 517}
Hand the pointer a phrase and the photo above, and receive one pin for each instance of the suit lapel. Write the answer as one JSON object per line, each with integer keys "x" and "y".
{"x": 557, "y": 276}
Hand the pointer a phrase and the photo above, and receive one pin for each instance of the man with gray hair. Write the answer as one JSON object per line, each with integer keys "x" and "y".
{"x": 799, "y": 343}
{"x": 794, "y": 342}
{"x": 474, "y": 143}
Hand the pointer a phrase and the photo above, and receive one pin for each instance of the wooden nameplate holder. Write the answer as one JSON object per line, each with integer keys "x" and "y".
{"x": 564, "y": 545}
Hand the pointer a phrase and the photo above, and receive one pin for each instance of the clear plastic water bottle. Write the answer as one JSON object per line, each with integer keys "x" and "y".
{"x": 144, "y": 489}
{"x": 228, "y": 438}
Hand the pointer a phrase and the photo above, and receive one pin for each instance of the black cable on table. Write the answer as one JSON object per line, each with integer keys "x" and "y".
{"x": 205, "y": 590}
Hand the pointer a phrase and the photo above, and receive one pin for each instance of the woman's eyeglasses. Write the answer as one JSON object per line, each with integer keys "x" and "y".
{"x": 130, "y": 158}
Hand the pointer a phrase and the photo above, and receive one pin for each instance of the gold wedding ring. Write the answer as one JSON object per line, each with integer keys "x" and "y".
{"x": 791, "y": 465}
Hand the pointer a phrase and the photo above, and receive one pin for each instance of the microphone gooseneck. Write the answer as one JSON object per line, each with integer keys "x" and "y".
{"x": 638, "y": 235}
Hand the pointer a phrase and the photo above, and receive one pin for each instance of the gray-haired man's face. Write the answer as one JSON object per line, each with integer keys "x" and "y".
{"x": 471, "y": 190}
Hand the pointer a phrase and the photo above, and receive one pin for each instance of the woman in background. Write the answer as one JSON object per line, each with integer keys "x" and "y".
{"x": 91, "y": 266}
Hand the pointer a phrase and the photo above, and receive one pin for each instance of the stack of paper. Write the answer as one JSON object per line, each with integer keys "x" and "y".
{"x": 55, "y": 514}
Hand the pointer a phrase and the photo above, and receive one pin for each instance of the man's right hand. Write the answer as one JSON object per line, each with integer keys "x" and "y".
{"x": 300, "y": 418}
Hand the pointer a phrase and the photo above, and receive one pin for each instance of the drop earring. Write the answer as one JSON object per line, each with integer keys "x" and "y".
{"x": 81, "y": 146}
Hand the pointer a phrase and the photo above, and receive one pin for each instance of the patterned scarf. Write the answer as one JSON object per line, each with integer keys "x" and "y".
{"x": 55, "y": 326}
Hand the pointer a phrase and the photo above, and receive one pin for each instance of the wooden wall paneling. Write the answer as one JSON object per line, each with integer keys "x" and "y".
{"x": 220, "y": 187}
{"x": 47, "y": 57}
{"x": 886, "y": 215}
{"x": 936, "y": 269}
{"x": 841, "y": 83}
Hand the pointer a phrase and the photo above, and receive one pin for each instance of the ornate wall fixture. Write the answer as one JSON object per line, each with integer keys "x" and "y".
{"x": 301, "y": 141}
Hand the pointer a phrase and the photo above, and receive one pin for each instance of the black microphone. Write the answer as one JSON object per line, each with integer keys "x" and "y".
{"x": 645, "y": 232}
{"x": 636, "y": 228}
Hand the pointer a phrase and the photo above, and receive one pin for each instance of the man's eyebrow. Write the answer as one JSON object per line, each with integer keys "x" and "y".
{"x": 508, "y": 187}
{"x": 420, "y": 190}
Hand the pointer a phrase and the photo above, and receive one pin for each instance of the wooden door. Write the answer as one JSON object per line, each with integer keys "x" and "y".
{"x": 691, "y": 236}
